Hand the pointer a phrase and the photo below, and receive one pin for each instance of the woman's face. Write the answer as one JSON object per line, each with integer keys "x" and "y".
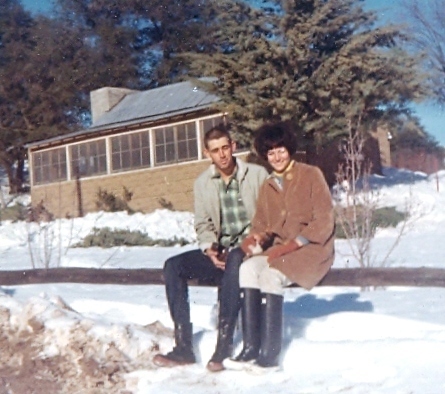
{"x": 278, "y": 158}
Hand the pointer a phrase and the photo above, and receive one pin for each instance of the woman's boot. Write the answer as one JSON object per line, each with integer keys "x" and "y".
{"x": 271, "y": 330}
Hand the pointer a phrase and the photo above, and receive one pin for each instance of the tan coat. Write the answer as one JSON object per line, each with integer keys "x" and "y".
{"x": 207, "y": 204}
{"x": 303, "y": 208}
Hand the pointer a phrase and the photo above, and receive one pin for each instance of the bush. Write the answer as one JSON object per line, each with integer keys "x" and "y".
{"x": 107, "y": 238}
{"x": 109, "y": 202}
{"x": 381, "y": 218}
{"x": 14, "y": 213}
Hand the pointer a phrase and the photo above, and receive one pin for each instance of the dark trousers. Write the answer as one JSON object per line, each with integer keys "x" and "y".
{"x": 195, "y": 264}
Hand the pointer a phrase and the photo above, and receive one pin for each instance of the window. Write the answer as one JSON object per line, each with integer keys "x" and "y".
{"x": 49, "y": 166}
{"x": 88, "y": 158}
{"x": 207, "y": 124}
{"x": 176, "y": 143}
{"x": 130, "y": 151}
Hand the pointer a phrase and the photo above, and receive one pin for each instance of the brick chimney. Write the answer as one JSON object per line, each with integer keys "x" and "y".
{"x": 104, "y": 99}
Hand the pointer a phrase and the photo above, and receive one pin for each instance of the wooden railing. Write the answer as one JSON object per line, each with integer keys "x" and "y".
{"x": 361, "y": 277}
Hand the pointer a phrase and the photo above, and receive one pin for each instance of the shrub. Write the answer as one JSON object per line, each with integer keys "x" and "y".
{"x": 110, "y": 202}
{"x": 14, "y": 213}
{"x": 166, "y": 204}
{"x": 107, "y": 238}
{"x": 381, "y": 218}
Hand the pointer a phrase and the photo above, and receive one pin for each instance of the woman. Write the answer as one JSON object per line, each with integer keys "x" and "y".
{"x": 294, "y": 209}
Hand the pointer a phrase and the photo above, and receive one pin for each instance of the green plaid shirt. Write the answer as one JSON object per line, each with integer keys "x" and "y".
{"x": 235, "y": 224}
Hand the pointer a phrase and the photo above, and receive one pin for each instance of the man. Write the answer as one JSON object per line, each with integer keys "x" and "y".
{"x": 225, "y": 201}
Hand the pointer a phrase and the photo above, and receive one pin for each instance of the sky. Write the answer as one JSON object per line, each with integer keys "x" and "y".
{"x": 336, "y": 339}
{"x": 432, "y": 116}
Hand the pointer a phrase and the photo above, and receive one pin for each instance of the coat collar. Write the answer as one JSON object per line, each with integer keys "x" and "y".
{"x": 240, "y": 172}
{"x": 290, "y": 173}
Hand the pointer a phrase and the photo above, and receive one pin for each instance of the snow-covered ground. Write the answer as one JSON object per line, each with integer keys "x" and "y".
{"x": 101, "y": 338}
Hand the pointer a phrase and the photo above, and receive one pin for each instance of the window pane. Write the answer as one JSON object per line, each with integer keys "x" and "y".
{"x": 145, "y": 157}
{"x": 182, "y": 150}
{"x": 116, "y": 160}
{"x": 126, "y": 163}
{"x": 135, "y": 141}
{"x": 136, "y": 158}
{"x": 164, "y": 145}
{"x": 89, "y": 158}
{"x": 187, "y": 141}
{"x": 207, "y": 124}
{"x": 127, "y": 153}
{"x": 49, "y": 166}
{"x": 169, "y": 135}
{"x": 160, "y": 154}
{"x": 125, "y": 143}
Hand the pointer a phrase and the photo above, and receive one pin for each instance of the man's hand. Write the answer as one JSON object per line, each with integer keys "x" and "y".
{"x": 281, "y": 250}
{"x": 212, "y": 253}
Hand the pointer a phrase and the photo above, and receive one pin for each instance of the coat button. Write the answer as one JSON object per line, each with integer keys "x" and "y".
{"x": 283, "y": 212}
{"x": 289, "y": 177}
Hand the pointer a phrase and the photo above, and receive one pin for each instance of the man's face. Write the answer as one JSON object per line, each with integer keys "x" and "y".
{"x": 278, "y": 158}
{"x": 220, "y": 152}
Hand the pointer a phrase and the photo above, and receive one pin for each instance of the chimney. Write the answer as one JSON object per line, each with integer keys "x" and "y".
{"x": 104, "y": 99}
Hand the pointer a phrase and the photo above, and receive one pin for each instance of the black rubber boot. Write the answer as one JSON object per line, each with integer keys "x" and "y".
{"x": 224, "y": 345}
{"x": 271, "y": 330}
{"x": 229, "y": 306}
{"x": 251, "y": 321}
{"x": 182, "y": 353}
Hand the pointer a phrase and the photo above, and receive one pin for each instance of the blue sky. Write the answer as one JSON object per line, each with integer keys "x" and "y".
{"x": 37, "y": 5}
{"x": 432, "y": 117}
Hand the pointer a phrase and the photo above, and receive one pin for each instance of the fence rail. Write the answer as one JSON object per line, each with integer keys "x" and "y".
{"x": 361, "y": 277}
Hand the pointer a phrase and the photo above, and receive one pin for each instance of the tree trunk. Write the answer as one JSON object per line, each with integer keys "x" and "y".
{"x": 14, "y": 168}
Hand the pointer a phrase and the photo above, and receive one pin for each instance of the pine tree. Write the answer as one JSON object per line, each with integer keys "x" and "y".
{"x": 15, "y": 43}
{"x": 321, "y": 63}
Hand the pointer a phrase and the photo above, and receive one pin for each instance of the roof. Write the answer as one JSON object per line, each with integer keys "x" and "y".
{"x": 160, "y": 102}
{"x": 147, "y": 106}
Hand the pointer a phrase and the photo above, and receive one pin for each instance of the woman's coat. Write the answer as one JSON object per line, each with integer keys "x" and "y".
{"x": 302, "y": 208}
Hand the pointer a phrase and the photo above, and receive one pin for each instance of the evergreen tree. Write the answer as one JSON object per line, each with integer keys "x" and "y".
{"x": 16, "y": 41}
{"x": 321, "y": 63}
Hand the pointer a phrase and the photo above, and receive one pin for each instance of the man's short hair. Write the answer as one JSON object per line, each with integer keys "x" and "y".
{"x": 275, "y": 135}
{"x": 217, "y": 132}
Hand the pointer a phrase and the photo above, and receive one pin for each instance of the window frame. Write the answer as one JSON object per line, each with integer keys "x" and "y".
{"x": 94, "y": 156}
{"x": 98, "y": 165}
{"x": 50, "y": 166}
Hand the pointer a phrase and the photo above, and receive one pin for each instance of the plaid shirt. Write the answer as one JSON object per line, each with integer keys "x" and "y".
{"x": 235, "y": 224}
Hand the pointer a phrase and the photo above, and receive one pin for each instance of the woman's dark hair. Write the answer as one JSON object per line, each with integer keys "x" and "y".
{"x": 275, "y": 135}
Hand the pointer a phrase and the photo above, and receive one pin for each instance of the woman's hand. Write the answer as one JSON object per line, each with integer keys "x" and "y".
{"x": 249, "y": 244}
{"x": 281, "y": 250}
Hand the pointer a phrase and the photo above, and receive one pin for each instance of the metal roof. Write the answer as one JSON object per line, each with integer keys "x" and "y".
{"x": 146, "y": 106}
{"x": 165, "y": 100}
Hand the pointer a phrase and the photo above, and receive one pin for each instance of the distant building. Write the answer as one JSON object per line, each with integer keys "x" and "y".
{"x": 148, "y": 142}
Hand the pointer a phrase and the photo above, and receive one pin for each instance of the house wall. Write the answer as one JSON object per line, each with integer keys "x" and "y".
{"x": 329, "y": 157}
{"x": 418, "y": 160}
{"x": 173, "y": 184}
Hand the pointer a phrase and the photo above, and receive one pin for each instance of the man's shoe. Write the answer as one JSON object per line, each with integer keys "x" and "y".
{"x": 175, "y": 358}
{"x": 215, "y": 366}
{"x": 182, "y": 353}
{"x": 224, "y": 345}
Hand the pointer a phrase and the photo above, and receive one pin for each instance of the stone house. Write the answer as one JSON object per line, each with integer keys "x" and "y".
{"x": 144, "y": 143}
